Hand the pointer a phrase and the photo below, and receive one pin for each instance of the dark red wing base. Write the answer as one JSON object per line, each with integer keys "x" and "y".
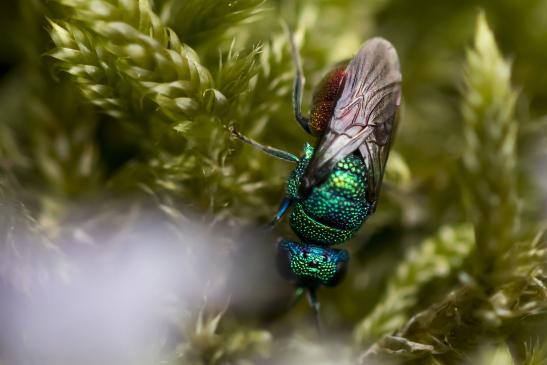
{"x": 325, "y": 97}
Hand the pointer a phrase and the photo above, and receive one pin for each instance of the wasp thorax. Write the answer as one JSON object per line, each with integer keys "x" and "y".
{"x": 311, "y": 265}
{"x": 324, "y": 99}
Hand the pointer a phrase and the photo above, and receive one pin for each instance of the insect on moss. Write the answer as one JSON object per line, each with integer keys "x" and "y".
{"x": 335, "y": 186}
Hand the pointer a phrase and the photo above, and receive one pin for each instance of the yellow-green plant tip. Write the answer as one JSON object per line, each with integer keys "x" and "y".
{"x": 435, "y": 258}
{"x": 490, "y": 134}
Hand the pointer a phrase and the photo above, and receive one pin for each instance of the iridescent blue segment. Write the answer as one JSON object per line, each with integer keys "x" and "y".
{"x": 311, "y": 265}
{"x": 335, "y": 210}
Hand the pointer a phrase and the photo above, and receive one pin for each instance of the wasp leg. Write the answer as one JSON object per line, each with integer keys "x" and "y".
{"x": 296, "y": 297}
{"x": 314, "y": 304}
{"x": 272, "y": 151}
{"x": 285, "y": 204}
{"x": 299, "y": 81}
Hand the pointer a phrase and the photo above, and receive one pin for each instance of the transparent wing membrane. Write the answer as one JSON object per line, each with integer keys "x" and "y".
{"x": 364, "y": 117}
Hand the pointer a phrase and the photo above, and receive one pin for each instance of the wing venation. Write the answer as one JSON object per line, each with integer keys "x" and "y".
{"x": 364, "y": 117}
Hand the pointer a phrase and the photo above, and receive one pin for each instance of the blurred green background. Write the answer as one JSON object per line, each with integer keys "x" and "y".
{"x": 113, "y": 112}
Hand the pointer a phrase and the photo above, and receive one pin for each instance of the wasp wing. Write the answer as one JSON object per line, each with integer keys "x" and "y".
{"x": 364, "y": 117}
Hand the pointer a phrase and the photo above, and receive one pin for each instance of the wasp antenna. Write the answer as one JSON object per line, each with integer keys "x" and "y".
{"x": 272, "y": 151}
{"x": 314, "y": 304}
{"x": 299, "y": 81}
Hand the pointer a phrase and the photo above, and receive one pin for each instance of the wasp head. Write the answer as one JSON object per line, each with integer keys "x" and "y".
{"x": 311, "y": 265}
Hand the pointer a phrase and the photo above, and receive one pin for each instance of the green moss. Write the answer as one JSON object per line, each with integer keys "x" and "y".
{"x": 110, "y": 100}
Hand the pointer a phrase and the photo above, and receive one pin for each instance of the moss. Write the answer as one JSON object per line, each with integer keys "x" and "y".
{"x": 114, "y": 110}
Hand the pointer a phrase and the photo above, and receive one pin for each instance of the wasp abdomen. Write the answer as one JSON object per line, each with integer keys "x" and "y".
{"x": 336, "y": 209}
{"x": 310, "y": 230}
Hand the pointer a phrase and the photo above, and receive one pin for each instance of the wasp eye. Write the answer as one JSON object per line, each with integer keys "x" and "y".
{"x": 341, "y": 270}
{"x": 283, "y": 261}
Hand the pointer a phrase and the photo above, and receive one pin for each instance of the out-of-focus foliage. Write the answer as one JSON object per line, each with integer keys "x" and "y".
{"x": 535, "y": 353}
{"x": 490, "y": 153}
{"x": 28, "y": 259}
{"x": 115, "y": 110}
{"x": 508, "y": 274}
{"x": 206, "y": 345}
{"x": 435, "y": 258}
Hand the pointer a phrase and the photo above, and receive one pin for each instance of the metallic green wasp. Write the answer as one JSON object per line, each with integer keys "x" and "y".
{"x": 335, "y": 186}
